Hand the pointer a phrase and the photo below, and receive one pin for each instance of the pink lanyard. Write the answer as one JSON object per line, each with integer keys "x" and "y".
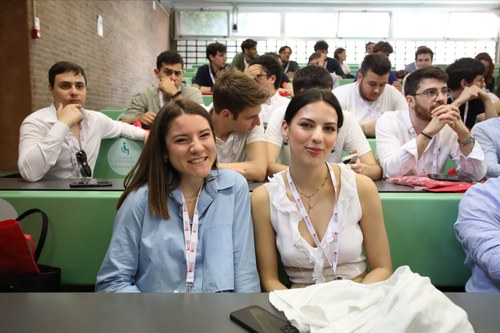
{"x": 190, "y": 240}
{"x": 333, "y": 225}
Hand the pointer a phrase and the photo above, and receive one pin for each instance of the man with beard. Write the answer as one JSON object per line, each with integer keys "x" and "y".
{"x": 370, "y": 95}
{"x": 419, "y": 140}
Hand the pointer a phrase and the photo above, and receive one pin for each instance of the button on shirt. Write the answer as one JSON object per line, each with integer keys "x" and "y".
{"x": 146, "y": 253}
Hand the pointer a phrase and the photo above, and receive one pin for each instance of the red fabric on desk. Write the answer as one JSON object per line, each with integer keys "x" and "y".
{"x": 430, "y": 184}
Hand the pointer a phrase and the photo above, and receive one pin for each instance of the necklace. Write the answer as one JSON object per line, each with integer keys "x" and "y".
{"x": 310, "y": 203}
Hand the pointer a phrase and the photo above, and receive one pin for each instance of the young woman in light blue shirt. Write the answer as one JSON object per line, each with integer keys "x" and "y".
{"x": 182, "y": 225}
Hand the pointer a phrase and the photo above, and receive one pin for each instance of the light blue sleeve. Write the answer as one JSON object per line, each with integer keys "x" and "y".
{"x": 489, "y": 139}
{"x": 120, "y": 265}
{"x": 246, "y": 276}
{"x": 478, "y": 226}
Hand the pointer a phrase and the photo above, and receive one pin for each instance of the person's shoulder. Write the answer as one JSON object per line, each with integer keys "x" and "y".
{"x": 365, "y": 185}
{"x": 40, "y": 114}
{"x": 345, "y": 89}
{"x": 139, "y": 195}
{"x": 227, "y": 178}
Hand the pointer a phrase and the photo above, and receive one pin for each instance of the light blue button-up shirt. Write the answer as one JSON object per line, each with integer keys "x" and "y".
{"x": 146, "y": 253}
{"x": 478, "y": 230}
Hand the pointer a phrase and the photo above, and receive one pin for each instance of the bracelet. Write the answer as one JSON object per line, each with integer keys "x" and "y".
{"x": 467, "y": 142}
{"x": 176, "y": 94}
{"x": 426, "y": 135}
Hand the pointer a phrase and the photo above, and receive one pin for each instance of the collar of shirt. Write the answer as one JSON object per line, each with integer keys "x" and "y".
{"x": 211, "y": 186}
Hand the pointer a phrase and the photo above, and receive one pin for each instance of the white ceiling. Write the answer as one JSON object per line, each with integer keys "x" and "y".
{"x": 366, "y": 4}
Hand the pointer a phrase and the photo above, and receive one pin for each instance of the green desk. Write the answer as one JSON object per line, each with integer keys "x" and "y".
{"x": 419, "y": 226}
{"x": 113, "y": 114}
{"x": 208, "y": 99}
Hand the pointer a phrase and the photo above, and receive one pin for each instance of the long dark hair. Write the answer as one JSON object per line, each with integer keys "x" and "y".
{"x": 152, "y": 168}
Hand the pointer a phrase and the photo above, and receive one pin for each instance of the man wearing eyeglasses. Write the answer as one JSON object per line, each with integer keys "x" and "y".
{"x": 63, "y": 139}
{"x": 266, "y": 70}
{"x": 146, "y": 104}
{"x": 466, "y": 81}
{"x": 418, "y": 140}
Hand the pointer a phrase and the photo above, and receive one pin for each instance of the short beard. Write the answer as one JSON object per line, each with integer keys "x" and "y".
{"x": 423, "y": 113}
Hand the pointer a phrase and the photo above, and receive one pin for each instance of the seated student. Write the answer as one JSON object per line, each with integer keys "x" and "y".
{"x": 318, "y": 59}
{"x": 248, "y": 52}
{"x": 385, "y": 49}
{"x": 206, "y": 74}
{"x": 489, "y": 79}
{"x": 176, "y": 199}
{"x": 478, "y": 230}
{"x": 419, "y": 140}
{"x": 239, "y": 133}
{"x": 466, "y": 81}
{"x": 267, "y": 72}
{"x": 487, "y": 133}
{"x": 340, "y": 55}
{"x": 63, "y": 139}
{"x": 331, "y": 64}
{"x": 318, "y": 217}
{"x": 370, "y": 96}
{"x": 423, "y": 58}
{"x": 350, "y": 137}
{"x": 289, "y": 66}
{"x": 146, "y": 103}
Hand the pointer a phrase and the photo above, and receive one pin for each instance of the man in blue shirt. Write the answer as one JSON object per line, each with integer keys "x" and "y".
{"x": 206, "y": 74}
{"x": 331, "y": 64}
{"x": 487, "y": 133}
{"x": 478, "y": 230}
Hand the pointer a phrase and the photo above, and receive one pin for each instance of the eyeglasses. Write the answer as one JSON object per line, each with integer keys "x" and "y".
{"x": 258, "y": 76}
{"x": 85, "y": 170}
{"x": 169, "y": 72}
{"x": 434, "y": 93}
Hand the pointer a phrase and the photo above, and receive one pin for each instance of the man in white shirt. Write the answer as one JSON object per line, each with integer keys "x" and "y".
{"x": 267, "y": 72}
{"x": 240, "y": 142}
{"x": 63, "y": 139}
{"x": 350, "y": 137}
{"x": 370, "y": 95}
{"x": 419, "y": 140}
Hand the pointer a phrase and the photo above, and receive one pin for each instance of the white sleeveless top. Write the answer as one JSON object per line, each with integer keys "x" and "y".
{"x": 303, "y": 263}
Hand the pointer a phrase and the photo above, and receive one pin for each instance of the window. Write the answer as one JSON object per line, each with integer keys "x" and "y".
{"x": 419, "y": 24}
{"x": 311, "y": 24}
{"x": 258, "y": 25}
{"x": 191, "y": 23}
{"x": 364, "y": 25}
{"x": 473, "y": 25}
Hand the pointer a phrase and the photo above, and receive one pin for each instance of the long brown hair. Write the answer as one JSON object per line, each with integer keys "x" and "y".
{"x": 153, "y": 168}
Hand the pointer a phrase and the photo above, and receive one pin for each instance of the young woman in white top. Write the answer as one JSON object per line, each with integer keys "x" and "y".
{"x": 317, "y": 217}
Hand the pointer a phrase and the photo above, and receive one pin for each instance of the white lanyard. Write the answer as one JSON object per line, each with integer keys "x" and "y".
{"x": 466, "y": 111}
{"x": 211, "y": 74}
{"x": 73, "y": 150}
{"x": 286, "y": 68}
{"x": 190, "y": 240}
{"x": 334, "y": 221}
{"x": 160, "y": 96}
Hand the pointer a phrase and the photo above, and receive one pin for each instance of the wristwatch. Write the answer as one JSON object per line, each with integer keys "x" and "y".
{"x": 467, "y": 142}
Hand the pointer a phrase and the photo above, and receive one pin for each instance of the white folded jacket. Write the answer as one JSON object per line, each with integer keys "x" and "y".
{"x": 405, "y": 302}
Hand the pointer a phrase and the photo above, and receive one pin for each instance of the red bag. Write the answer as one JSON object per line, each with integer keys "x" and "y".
{"x": 16, "y": 257}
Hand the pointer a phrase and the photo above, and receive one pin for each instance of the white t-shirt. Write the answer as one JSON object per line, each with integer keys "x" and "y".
{"x": 234, "y": 148}
{"x": 276, "y": 102}
{"x": 350, "y": 101}
{"x": 47, "y": 147}
{"x": 397, "y": 150}
{"x": 350, "y": 136}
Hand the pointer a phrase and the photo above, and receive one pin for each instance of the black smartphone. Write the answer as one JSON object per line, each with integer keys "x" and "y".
{"x": 449, "y": 178}
{"x": 258, "y": 320}
{"x": 89, "y": 183}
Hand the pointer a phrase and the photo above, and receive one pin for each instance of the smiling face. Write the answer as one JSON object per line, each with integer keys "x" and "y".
{"x": 312, "y": 133}
{"x": 191, "y": 146}
{"x": 69, "y": 89}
